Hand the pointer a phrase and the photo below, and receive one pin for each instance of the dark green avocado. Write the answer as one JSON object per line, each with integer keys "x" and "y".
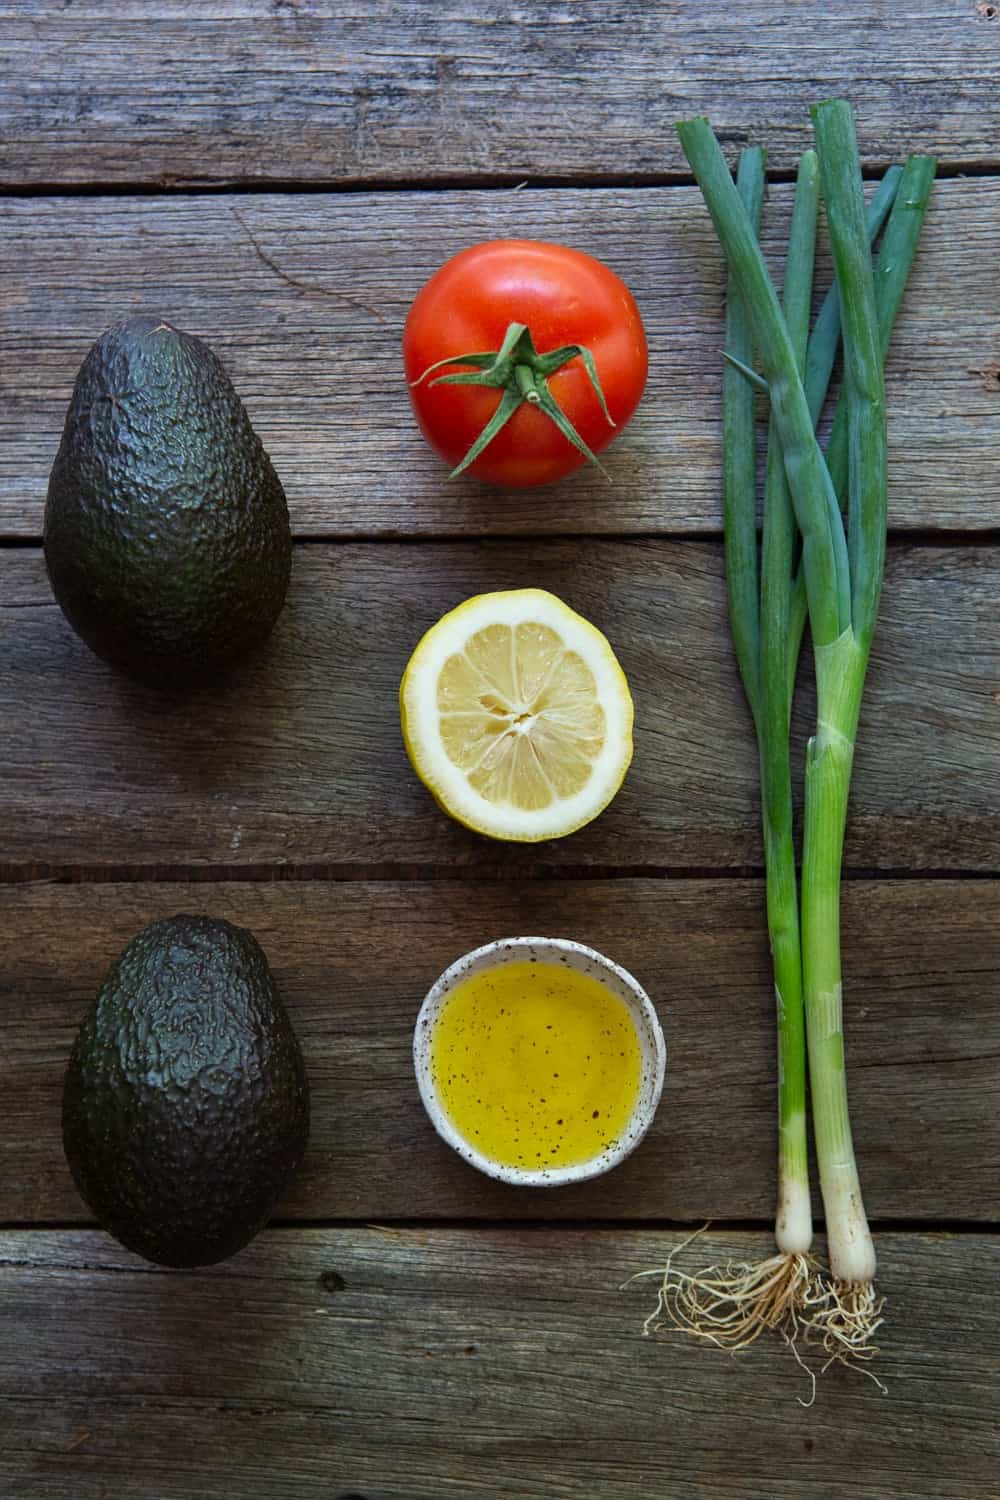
{"x": 166, "y": 527}
{"x": 186, "y": 1106}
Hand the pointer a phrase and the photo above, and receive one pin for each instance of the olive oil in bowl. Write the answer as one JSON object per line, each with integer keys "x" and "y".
{"x": 539, "y": 1060}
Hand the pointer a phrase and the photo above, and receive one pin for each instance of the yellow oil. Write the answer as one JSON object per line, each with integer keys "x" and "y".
{"x": 536, "y": 1064}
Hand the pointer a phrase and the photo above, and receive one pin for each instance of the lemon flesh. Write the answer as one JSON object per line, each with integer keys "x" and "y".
{"x": 517, "y": 716}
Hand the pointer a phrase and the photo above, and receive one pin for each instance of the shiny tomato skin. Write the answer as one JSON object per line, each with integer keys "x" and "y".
{"x": 565, "y": 297}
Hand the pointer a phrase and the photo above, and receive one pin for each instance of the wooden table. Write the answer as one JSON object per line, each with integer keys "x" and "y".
{"x": 280, "y": 178}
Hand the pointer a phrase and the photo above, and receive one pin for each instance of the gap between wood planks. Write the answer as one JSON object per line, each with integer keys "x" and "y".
{"x": 192, "y": 874}
{"x": 925, "y": 538}
{"x": 169, "y": 185}
{"x": 925, "y": 1228}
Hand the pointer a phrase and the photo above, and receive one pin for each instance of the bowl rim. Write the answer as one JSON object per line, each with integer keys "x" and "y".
{"x": 649, "y": 1034}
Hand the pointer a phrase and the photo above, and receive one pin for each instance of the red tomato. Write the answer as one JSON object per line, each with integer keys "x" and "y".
{"x": 564, "y": 297}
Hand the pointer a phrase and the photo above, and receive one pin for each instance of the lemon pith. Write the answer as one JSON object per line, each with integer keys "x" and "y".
{"x": 517, "y": 716}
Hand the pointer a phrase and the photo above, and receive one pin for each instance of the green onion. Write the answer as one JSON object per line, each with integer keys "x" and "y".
{"x": 759, "y": 606}
{"x": 767, "y": 613}
{"x": 840, "y": 582}
{"x": 841, "y": 666}
{"x": 840, "y": 675}
{"x": 779, "y": 656}
{"x": 782, "y": 616}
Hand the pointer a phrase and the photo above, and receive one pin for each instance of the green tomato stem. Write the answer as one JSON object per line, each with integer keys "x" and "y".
{"x": 526, "y": 384}
{"x": 521, "y": 373}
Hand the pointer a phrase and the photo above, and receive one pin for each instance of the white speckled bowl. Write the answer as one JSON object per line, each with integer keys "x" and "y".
{"x": 586, "y": 961}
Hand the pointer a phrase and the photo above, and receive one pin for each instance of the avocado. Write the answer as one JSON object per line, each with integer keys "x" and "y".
{"x": 166, "y": 527}
{"x": 186, "y": 1106}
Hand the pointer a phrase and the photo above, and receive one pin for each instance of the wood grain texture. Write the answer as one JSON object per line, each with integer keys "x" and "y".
{"x": 298, "y": 758}
{"x": 258, "y": 90}
{"x": 354, "y": 960}
{"x": 304, "y": 297}
{"x": 410, "y": 1365}
{"x": 501, "y": 1358}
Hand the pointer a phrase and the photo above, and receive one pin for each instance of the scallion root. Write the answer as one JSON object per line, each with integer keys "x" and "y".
{"x": 843, "y": 1317}
{"x": 733, "y": 1303}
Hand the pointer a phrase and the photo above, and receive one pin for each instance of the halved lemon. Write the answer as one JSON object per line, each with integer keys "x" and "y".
{"x": 517, "y": 716}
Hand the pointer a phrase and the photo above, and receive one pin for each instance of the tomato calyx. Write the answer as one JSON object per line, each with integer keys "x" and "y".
{"x": 521, "y": 373}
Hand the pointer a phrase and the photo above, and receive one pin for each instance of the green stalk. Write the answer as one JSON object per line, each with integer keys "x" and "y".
{"x": 783, "y": 618}
{"x": 829, "y": 760}
{"x": 892, "y": 272}
{"x": 739, "y": 462}
{"x": 864, "y": 383}
{"x": 825, "y": 337}
{"x": 824, "y": 549}
{"x": 793, "y": 1227}
{"x": 840, "y": 673}
{"x": 760, "y": 599}
{"x": 910, "y": 191}
{"x": 819, "y": 366}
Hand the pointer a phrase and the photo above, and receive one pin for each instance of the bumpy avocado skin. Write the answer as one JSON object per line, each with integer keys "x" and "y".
{"x": 166, "y": 528}
{"x": 186, "y": 1105}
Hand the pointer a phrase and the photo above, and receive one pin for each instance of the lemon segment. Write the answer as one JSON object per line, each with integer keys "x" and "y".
{"x": 517, "y": 716}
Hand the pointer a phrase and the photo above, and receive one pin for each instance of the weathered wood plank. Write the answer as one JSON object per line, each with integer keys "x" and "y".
{"x": 410, "y": 1365}
{"x": 353, "y": 961}
{"x": 299, "y": 758}
{"x": 254, "y": 91}
{"x": 304, "y": 297}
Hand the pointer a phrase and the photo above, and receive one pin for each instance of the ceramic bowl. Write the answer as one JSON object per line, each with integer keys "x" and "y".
{"x": 546, "y": 950}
